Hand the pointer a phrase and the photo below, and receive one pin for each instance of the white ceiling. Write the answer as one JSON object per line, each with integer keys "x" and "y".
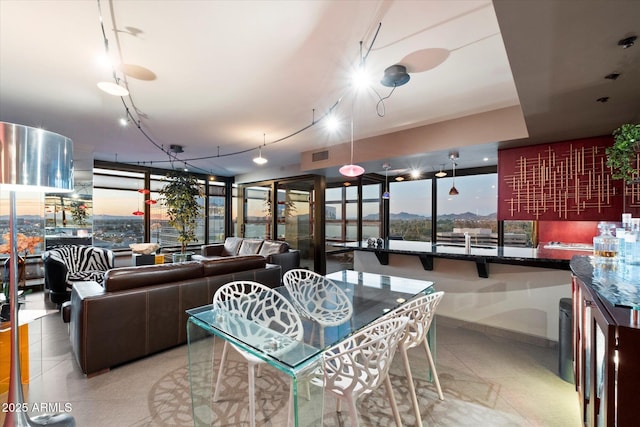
{"x": 222, "y": 77}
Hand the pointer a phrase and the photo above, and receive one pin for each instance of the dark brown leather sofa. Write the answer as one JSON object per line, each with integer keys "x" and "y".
{"x": 141, "y": 310}
{"x": 274, "y": 251}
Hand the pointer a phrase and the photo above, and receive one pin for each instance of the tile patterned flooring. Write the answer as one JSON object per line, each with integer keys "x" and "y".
{"x": 487, "y": 381}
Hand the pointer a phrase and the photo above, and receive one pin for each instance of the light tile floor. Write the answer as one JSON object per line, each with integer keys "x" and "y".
{"x": 487, "y": 381}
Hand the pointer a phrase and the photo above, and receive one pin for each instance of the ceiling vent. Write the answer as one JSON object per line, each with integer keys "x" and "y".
{"x": 320, "y": 155}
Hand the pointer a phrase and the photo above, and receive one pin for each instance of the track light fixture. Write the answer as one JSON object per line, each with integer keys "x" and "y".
{"x": 627, "y": 42}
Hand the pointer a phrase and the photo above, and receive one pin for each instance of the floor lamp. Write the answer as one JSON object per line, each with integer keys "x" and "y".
{"x": 33, "y": 160}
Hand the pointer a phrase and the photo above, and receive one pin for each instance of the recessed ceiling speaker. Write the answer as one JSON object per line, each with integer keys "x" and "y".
{"x": 395, "y": 76}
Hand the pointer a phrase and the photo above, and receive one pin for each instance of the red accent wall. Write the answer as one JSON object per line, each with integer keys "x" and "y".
{"x": 567, "y": 232}
{"x": 562, "y": 181}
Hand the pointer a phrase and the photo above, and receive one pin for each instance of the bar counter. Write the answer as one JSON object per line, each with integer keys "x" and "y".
{"x": 545, "y": 255}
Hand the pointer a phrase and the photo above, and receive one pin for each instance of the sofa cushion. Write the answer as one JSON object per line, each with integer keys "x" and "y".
{"x": 122, "y": 278}
{"x": 250, "y": 247}
{"x": 270, "y": 247}
{"x": 235, "y": 264}
{"x": 231, "y": 246}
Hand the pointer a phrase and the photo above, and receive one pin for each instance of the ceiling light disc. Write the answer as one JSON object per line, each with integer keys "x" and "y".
{"x": 113, "y": 89}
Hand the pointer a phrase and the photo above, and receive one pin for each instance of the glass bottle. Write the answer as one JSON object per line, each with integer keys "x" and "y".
{"x": 632, "y": 247}
{"x": 605, "y": 245}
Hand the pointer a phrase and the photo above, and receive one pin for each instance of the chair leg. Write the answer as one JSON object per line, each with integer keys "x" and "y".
{"x": 392, "y": 401}
{"x": 216, "y": 392}
{"x": 353, "y": 411}
{"x": 412, "y": 387}
{"x": 252, "y": 396}
{"x": 433, "y": 369}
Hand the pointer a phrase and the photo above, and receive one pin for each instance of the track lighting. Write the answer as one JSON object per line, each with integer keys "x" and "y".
{"x": 627, "y": 42}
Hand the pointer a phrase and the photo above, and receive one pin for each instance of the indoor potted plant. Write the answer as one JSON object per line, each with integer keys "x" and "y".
{"x": 26, "y": 245}
{"x": 621, "y": 155}
{"x": 180, "y": 195}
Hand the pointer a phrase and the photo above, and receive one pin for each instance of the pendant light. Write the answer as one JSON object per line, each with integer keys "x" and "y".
{"x": 453, "y": 191}
{"x": 385, "y": 195}
{"x": 261, "y": 160}
{"x": 351, "y": 170}
{"x": 442, "y": 173}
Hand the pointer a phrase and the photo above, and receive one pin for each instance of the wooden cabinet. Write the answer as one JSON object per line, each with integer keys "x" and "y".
{"x": 606, "y": 356}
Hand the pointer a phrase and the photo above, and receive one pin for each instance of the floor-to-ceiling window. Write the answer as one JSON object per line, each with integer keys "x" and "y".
{"x": 216, "y": 214}
{"x": 128, "y": 208}
{"x": 410, "y": 210}
{"x": 118, "y": 208}
{"x": 473, "y": 210}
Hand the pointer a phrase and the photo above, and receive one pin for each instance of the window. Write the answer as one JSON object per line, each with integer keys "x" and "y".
{"x": 473, "y": 210}
{"x": 410, "y": 210}
{"x": 341, "y": 213}
{"x": 29, "y": 217}
{"x": 333, "y": 214}
{"x": 257, "y": 212}
{"x": 216, "y": 212}
{"x": 117, "y": 205}
{"x": 371, "y": 211}
{"x": 120, "y": 207}
{"x": 114, "y": 224}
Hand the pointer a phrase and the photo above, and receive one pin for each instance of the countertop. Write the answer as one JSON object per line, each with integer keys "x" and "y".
{"x": 619, "y": 284}
{"x": 545, "y": 255}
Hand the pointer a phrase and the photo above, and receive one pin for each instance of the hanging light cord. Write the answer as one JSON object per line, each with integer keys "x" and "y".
{"x": 186, "y": 161}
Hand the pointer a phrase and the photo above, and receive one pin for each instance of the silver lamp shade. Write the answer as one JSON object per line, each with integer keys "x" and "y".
{"x": 33, "y": 159}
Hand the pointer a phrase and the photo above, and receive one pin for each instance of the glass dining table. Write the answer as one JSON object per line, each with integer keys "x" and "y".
{"x": 372, "y": 295}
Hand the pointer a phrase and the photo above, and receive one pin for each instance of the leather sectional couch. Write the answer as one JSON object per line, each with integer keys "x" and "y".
{"x": 274, "y": 251}
{"x": 141, "y": 310}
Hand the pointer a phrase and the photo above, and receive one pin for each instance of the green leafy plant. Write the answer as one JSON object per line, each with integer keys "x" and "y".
{"x": 180, "y": 195}
{"x": 621, "y": 155}
{"x": 79, "y": 213}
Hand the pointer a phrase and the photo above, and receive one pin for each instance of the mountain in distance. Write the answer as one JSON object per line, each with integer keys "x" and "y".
{"x": 405, "y": 216}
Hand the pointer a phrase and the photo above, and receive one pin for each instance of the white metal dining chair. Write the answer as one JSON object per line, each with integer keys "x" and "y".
{"x": 318, "y": 299}
{"x": 359, "y": 364}
{"x": 420, "y": 312}
{"x": 265, "y": 307}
